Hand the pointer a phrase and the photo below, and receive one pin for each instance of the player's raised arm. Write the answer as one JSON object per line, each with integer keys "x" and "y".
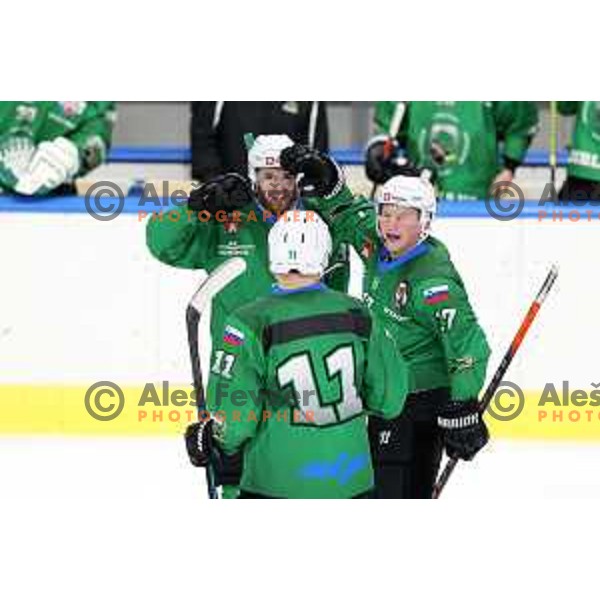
{"x": 187, "y": 236}
{"x": 351, "y": 219}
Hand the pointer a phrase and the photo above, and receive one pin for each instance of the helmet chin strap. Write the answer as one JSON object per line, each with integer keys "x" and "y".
{"x": 425, "y": 229}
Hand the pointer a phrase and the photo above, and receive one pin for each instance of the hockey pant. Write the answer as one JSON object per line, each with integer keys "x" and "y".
{"x": 407, "y": 450}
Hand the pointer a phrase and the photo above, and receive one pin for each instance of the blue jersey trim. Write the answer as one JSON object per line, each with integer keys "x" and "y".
{"x": 384, "y": 264}
{"x": 313, "y": 287}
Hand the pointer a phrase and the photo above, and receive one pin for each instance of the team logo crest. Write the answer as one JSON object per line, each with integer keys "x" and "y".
{"x": 401, "y": 295}
{"x": 231, "y": 227}
{"x": 444, "y": 142}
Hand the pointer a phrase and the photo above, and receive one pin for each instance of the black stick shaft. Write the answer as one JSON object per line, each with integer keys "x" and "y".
{"x": 192, "y": 322}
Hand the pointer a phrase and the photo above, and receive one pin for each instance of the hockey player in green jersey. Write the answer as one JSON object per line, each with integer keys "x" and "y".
{"x": 413, "y": 286}
{"x": 44, "y": 145}
{"x": 230, "y": 216}
{"x": 583, "y": 170}
{"x": 293, "y": 377}
{"x": 459, "y": 141}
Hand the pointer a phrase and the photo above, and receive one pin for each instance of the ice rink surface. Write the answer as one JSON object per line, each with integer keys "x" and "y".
{"x": 157, "y": 470}
{"x": 111, "y": 518}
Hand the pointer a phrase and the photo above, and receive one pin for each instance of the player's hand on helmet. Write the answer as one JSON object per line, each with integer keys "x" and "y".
{"x": 463, "y": 429}
{"x": 54, "y": 163}
{"x": 202, "y": 444}
{"x": 226, "y": 192}
{"x": 320, "y": 174}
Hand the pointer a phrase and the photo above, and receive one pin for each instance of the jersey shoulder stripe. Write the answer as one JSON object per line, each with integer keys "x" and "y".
{"x": 353, "y": 321}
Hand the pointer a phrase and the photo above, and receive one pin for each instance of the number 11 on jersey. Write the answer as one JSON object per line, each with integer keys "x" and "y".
{"x": 298, "y": 371}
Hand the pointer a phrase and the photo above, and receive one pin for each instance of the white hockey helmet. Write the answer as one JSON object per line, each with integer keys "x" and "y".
{"x": 265, "y": 152}
{"x": 410, "y": 192}
{"x": 299, "y": 241}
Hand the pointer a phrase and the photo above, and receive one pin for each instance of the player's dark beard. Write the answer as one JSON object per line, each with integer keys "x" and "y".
{"x": 277, "y": 200}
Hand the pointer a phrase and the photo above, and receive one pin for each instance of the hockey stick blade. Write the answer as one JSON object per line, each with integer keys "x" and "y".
{"x": 502, "y": 367}
{"x": 219, "y": 279}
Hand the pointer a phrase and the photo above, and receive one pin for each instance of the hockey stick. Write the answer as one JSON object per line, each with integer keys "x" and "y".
{"x": 393, "y": 132}
{"x": 504, "y": 364}
{"x": 220, "y": 278}
{"x": 553, "y": 144}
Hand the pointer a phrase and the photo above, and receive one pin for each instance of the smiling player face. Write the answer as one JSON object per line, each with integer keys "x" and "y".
{"x": 276, "y": 189}
{"x": 400, "y": 228}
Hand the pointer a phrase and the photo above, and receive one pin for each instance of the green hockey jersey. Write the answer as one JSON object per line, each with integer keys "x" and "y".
{"x": 292, "y": 379}
{"x": 87, "y": 124}
{"x": 584, "y": 152}
{"x": 468, "y": 134}
{"x": 189, "y": 243}
{"x": 421, "y": 299}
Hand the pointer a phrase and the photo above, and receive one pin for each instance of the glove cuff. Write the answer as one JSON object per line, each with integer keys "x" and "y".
{"x": 459, "y": 415}
{"x": 340, "y": 180}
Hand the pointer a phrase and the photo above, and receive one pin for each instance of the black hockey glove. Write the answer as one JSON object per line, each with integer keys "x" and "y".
{"x": 464, "y": 431}
{"x": 380, "y": 159}
{"x": 321, "y": 175}
{"x": 382, "y": 164}
{"x": 226, "y": 192}
{"x": 198, "y": 441}
{"x": 203, "y": 449}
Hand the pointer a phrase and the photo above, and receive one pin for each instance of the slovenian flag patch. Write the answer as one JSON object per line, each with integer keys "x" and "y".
{"x": 233, "y": 336}
{"x": 435, "y": 294}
